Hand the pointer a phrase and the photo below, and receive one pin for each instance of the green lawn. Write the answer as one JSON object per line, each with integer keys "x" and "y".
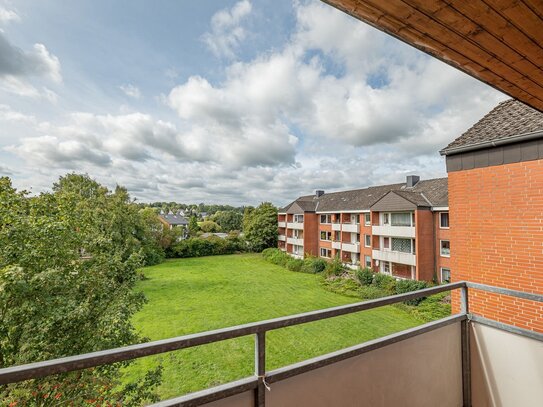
{"x": 200, "y": 294}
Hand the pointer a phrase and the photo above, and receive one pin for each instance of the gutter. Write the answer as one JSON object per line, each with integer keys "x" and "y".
{"x": 495, "y": 143}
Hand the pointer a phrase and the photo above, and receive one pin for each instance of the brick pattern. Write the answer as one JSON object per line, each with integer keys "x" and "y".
{"x": 496, "y": 216}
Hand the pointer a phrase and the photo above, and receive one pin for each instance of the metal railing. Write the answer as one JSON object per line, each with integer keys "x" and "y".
{"x": 262, "y": 377}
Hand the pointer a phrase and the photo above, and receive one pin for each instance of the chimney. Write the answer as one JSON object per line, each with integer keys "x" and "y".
{"x": 412, "y": 181}
{"x": 319, "y": 193}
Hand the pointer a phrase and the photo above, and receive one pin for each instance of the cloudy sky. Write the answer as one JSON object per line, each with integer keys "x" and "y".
{"x": 220, "y": 101}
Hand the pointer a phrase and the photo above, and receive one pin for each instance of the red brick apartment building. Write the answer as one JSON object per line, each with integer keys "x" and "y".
{"x": 495, "y": 172}
{"x": 400, "y": 229}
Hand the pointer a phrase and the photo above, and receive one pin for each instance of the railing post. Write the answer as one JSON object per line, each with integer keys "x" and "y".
{"x": 260, "y": 368}
{"x": 466, "y": 358}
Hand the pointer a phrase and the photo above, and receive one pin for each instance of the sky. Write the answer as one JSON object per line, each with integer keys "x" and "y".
{"x": 233, "y": 102}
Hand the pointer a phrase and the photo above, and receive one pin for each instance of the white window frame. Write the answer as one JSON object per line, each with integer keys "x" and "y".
{"x": 296, "y": 219}
{"x": 441, "y": 248}
{"x": 327, "y": 232}
{"x": 367, "y": 261}
{"x": 327, "y": 217}
{"x": 441, "y": 273}
{"x": 325, "y": 250}
{"x": 448, "y": 217}
{"x": 367, "y": 219}
{"x": 366, "y": 240}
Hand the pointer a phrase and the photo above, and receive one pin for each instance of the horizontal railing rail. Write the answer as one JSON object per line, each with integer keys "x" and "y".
{"x": 258, "y": 381}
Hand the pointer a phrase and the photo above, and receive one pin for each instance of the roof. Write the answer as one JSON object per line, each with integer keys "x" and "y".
{"x": 432, "y": 192}
{"x": 508, "y": 120}
{"x": 174, "y": 219}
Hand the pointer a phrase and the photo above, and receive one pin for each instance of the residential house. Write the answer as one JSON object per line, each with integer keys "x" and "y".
{"x": 172, "y": 220}
{"x": 401, "y": 229}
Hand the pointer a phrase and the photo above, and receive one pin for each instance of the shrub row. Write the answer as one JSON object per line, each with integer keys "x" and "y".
{"x": 210, "y": 246}
{"x": 312, "y": 265}
{"x": 388, "y": 285}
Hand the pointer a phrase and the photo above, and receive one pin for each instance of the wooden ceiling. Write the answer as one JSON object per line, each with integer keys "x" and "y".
{"x": 496, "y": 41}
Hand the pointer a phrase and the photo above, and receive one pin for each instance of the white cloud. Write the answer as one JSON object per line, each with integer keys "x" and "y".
{"x": 131, "y": 90}
{"x": 226, "y": 30}
{"x": 8, "y": 114}
{"x": 7, "y": 16}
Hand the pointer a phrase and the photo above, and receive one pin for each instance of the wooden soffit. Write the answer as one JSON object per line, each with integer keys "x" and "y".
{"x": 496, "y": 41}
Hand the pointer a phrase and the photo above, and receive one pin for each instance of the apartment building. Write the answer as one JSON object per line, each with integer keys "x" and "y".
{"x": 401, "y": 229}
{"x": 495, "y": 172}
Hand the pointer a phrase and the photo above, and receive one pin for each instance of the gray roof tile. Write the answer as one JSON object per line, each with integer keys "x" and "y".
{"x": 509, "y": 119}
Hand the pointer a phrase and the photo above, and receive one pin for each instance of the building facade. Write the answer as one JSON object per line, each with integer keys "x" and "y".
{"x": 401, "y": 229}
{"x": 495, "y": 172}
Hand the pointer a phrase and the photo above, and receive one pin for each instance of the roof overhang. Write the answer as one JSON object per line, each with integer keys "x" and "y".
{"x": 498, "y": 42}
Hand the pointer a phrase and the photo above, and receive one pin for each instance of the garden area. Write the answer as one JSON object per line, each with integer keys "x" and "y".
{"x": 199, "y": 294}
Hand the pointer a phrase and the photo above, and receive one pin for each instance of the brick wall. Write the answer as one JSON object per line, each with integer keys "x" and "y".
{"x": 496, "y": 216}
{"x": 424, "y": 244}
{"x": 311, "y": 234}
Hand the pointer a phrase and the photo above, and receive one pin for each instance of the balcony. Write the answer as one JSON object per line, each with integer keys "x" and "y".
{"x": 295, "y": 225}
{"x": 336, "y": 226}
{"x": 351, "y": 227}
{"x": 395, "y": 257}
{"x": 457, "y": 360}
{"x": 281, "y": 238}
{"x": 395, "y": 231}
{"x": 336, "y": 245}
{"x": 296, "y": 241}
{"x": 282, "y": 224}
{"x": 351, "y": 247}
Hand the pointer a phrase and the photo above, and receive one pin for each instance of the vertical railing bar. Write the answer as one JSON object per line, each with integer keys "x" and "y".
{"x": 260, "y": 368}
{"x": 466, "y": 357}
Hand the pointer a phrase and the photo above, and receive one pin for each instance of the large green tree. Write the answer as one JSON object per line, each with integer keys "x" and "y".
{"x": 260, "y": 226}
{"x": 228, "y": 220}
{"x": 68, "y": 265}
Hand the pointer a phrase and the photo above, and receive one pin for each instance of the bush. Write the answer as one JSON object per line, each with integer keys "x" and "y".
{"x": 365, "y": 276}
{"x": 385, "y": 283}
{"x": 213, "y": 245}
{"x": 276, "y": 256}
{"x": 334, "y": 267}
{"x": 295, "y": 264}
{"x": 313, "y": 265}
{"x": 405, "y": 286}
{"x": 369, "y": 292}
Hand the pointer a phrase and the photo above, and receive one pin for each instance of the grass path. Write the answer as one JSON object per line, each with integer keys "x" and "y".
{"x": 200, "y": 294}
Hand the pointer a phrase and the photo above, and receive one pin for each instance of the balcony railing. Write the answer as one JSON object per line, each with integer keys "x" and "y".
{"x": 282, "y": 224}
{"x": 336, "y": 226}
{"x": 295, "y": 240}
{"x": 255, "y": 388}
{"x": 336, "y": 244}
{"x": 395, "y": 257}
{"x": 351, "y": 227}
{"x": 396, "y": 231}
{"x": 295, "y": 225}
{"x": 281, "y": 238}
{"x": 351, "y": 247}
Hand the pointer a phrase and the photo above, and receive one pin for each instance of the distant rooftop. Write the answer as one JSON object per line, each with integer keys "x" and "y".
{"x": 508, "y": 120}
{"x": 432, "y": 192}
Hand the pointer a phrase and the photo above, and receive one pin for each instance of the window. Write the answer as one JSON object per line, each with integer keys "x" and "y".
{"x": 400, "y": 219}
{"x": 445, "y": 248}
{"x": 445, "y": 275}
{"x": 298, "y": 250}
{"x": 367, "y": 240}
{"x": 355, "y": 219}
{"x": 401, "y": 245}
{"x": 326, "y": 235}
{"x": 326, "y": 253}
{"x": 326, "y": 218}
{"x": 386, "y": 242}
{"x": 298, "y": 218}
{"x": 386, "y": 267}
{"x": 444, "y": 220}
{"x": 367, "y": 261}
{"x": 367, "y": 219}
{"x": 385, "y": 219}
{"x": 297, "y": 234}
{"x": 337, "y": 236}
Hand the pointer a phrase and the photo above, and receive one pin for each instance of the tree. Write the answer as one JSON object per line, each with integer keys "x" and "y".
{"x": 260, "y": 226}
{"x": 209, "y": 226}
{"x": 193, "y": 226}
{"x": 68, "y": 265}
{"x": 228, "y": 220}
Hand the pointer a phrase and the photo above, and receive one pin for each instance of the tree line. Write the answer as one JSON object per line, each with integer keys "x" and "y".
{"x": 69, "y": 261}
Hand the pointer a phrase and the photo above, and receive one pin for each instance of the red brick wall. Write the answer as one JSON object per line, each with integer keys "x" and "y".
{"x": 496, "y": 216}
{"x": 424, "y": 241}
{"x": 311, "y": 234}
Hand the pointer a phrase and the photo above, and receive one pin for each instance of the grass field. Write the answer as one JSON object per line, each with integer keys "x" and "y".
{"x": 194, "y": 295}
